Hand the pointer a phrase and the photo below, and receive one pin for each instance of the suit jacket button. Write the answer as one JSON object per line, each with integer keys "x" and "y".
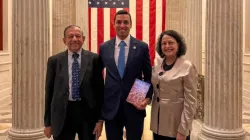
{"x": 157, "y": 86}
{"x": 161, "y": 73}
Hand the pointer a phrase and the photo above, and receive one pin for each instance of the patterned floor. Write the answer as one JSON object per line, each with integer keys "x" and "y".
{"x": 5, "y": 120}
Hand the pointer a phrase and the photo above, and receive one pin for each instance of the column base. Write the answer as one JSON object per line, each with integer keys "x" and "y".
{"x": 14, "y": 134}
{"x": 208, "y": 133}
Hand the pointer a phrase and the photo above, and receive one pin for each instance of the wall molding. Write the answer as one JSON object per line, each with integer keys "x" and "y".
{"x": 244, "y": 63}
{"x": 246, "y": 90}
{"x": 4, "y": 53}
{"x": 248, "y": 71}
{"x": 6, "y": 89}
{"x": 5, "y": 63}
{"x": 5, "y": 70}
{"x": 2, "y": 98}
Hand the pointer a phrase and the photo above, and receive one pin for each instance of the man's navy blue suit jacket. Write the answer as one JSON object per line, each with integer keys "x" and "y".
{"x": 116, "y": 88}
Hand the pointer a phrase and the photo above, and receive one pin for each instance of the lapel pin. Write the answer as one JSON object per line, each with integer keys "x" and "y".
{"x": 134, "y": 47}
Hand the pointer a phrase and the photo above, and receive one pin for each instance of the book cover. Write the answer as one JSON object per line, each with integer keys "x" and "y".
{"x": 138, "y": 92}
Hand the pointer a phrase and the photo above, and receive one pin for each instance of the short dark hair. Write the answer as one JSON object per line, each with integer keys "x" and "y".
{"x": 71, "y": 26}
{"x": 123, "y": 12}
{"x": 179, "y": 39}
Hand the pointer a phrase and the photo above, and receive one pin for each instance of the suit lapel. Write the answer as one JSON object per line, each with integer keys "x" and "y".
{"x": 111, "y": 53}
{"x": 131, "y": 52}
{"x": 65, "y": 69}
{"x": 84, "y": 64}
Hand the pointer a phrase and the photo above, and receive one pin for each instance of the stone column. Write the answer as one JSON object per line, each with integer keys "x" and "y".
{"x": 30, "y": 52}
{"x": 82, "y": 19}
{"x": 68, "y": 12}
{"x": 223, "y": 82}
{"x": 63, "y": 14}
{"x": 185, "y": 16}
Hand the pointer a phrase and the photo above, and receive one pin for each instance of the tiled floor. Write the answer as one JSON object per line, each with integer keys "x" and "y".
{"x": 5, "y": 121}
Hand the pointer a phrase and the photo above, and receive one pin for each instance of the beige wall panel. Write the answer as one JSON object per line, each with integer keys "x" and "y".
{"x": 4, "y": 76}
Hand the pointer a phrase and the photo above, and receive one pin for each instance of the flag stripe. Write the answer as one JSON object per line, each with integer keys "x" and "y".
{"x": 145, "y": 21}
{"x": 139, "y": 15}
{"x": 152, "y": 33}
{"x": 132, "y": 9}
{"x": 163, "y": 14}
{"x": 117, "y": 9}
{"x": 100, "y": 27}
{"x": 94, "y": 30}
{"x": 112, "y": 16}
{"x": 158, "y": 26}
{"x": 126, "y": 9}
{"x": 89, "y": 18}
{"x": 107, "y": 26}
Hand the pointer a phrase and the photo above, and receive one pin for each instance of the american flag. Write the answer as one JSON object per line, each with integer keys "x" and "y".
{"x": 148, "y": 21}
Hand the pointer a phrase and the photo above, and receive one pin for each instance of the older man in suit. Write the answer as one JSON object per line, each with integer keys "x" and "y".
{"x": 74, "y": 91}
{"x": 125, "y": 59}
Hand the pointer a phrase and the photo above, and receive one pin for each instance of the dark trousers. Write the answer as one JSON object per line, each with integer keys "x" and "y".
{"x": 114, "y": 128}
{"x": 76, "y": 122}
{"x": 159, "y": 137}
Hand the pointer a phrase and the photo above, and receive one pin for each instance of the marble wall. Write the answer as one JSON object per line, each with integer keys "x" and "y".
{"x": 5, "y": 55}
{"x": 246, "y": 55}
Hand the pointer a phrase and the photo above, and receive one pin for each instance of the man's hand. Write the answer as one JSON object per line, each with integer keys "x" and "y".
{"x": 98, "y": 129}
{"x": 180, "y": 136}
{"x": 47, "y": 131}
{"x": 143, "y": 104}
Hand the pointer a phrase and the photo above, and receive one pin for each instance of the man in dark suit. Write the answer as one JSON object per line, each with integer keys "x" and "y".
{"x": 125, "y": 59}
{"x": 74, "y": 91}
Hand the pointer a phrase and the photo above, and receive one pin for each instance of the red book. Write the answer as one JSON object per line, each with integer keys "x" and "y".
{"x": 138, "y": 92}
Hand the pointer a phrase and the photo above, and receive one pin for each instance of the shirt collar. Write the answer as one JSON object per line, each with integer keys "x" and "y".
{"x": 126, "y": 40}
{"x": 78, "y": 52}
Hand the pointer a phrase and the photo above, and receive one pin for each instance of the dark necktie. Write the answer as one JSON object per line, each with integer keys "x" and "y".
{"x": 121, "y": 59}
{"x": 75, "y": 78}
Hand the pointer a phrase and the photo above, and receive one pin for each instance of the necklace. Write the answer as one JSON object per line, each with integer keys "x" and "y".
{"x": 167, "y": 67}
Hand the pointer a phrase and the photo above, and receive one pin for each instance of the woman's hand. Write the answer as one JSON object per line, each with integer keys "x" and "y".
{"x": 180, "y": 136}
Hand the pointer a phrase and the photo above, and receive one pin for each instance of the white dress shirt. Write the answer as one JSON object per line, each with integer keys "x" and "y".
{"x": 117, "y": 49}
